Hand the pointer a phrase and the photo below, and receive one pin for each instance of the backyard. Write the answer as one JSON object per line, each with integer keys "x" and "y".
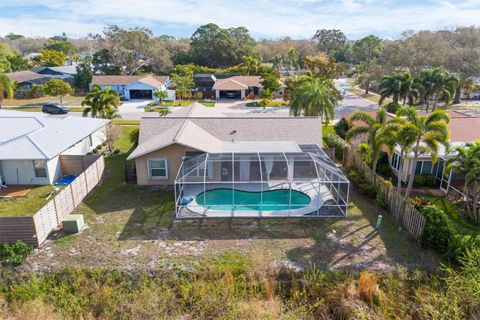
{"x": 131, "y": 228}
{"x": 27, "y": 204}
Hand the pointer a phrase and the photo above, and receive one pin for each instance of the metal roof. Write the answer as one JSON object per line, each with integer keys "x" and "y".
{"x": 31, "y": 135}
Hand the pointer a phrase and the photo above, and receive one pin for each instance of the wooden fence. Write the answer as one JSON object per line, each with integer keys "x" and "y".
{"x": 406, "y": 215}
{"x": 35, "y": 229}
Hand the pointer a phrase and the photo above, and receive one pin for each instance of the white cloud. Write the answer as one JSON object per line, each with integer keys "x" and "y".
{"x": 264, "y": 18}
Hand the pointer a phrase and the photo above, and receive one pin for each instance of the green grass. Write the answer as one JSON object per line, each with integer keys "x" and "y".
{"x": 27, "y": 205}
{"x": 271, "y": 103}
{"x": 126, "y": 122}
{"x": 179, "y": 103}
{"x": 458, "y": 222}
{"x": 38, "y": 102}
{"x": 124, "y": 143}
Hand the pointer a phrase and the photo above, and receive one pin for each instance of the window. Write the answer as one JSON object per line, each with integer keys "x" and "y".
{"x": 158, "y": 168}
{"x": 40, "y": 168}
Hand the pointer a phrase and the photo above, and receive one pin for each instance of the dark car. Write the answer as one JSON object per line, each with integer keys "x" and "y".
{"x": 53, "y": 108}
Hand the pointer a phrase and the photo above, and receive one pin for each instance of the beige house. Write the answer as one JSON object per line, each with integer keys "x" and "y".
{"x": 238, "y": 87}
{"x": 256, "y": 160}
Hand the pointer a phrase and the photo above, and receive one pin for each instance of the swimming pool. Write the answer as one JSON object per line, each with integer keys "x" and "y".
{"x": 225, "y": 199}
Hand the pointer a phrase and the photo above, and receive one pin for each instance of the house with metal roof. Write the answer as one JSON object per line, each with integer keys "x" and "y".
{"x": 135, "y": 87}
{"x": 240, "y": 167}
{"x": 31, "y": 145}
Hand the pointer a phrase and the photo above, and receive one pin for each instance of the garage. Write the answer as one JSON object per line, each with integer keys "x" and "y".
{"x": 230, "y": 94}
{"x": 141, "y": 94}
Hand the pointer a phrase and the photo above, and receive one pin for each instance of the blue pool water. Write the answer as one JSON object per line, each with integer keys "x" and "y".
{"x": 65, "y": 181}
{"x": 225, "y": 199}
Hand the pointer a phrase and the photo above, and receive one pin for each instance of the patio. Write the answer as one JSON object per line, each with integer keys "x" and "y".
{"x": 274, "y": 184}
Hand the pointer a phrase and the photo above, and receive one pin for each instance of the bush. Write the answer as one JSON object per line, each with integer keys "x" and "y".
{"x": 461, "y": 244}
{"x": 14, "y": 253}
{"x": 438, "y": 232}
{"x": 335, "y": 141}
{"x": 420, "y": 202}
{"x": 424, "y": 180}
{"x": 393, "y": 107}
{"x": 341, "y": 128}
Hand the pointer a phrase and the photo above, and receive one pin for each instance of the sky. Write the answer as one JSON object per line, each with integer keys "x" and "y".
{"x": 264, "y": 18}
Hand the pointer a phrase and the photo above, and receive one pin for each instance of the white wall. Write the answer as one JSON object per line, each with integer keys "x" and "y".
{"x": 83, "y": 147}
{"x": 21, "y": 172}
{"x": 54, "y": 169}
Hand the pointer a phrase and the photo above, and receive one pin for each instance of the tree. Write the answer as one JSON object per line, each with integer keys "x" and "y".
{"x": 7, "y": 87}
{"x": 466, "y": 161}
{"x": 182, "y": 75}
{"x": 251, "y": 65}
{"x": 58, "y": 88}
{"x": 100, "y": 102}
{"x": 104, "y": 63}
{"x": 198, "y": 95}
{"x": 51, "y": 58}
{"x": 270, "y": 82}
{"x": 322, "y": 67}
{"x": 5, "y": 53}
{"x": 17, "y": 63}
{"x": 367, "y": 50}
{"x": 329, "y": 40}
{"x": 292, "y": 58}
{"x": 376, "y": 132}
{"x": 112, "y": 133}
{"x": 398, "y": 85}
{"x": 216, "y": 47}
{"x": 12, "y": 36}
{"x": 161, "y": 95}
{"x": 430, "y": 132}
{"x": 470, "y": 87}
{"x": 84, "y": 74}
{"x": 315, "y": 98}
{"x": 404, "y": 137}
{"x": 277, "y": 62}
{"x": 61, "y": 44}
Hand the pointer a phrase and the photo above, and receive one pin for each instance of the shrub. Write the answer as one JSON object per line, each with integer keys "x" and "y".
{"x": 461, "y": 244}
{"x": 438, "y": 232}
{"x": 335, "y": 141}
{"x": 424, "y": 180}
{"x": 393, "y": 107}
{"x": 420, "y": 202}
{"x": 341, "y": 128}
{"x": 14, "y": 253}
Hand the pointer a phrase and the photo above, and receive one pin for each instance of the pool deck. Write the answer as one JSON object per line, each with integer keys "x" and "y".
{"x": 318, "y": 193}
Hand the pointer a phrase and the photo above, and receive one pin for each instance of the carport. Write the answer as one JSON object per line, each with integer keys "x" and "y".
{"x": 229, "y": 89}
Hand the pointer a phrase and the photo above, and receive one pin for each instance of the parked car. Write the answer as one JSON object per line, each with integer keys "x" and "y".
{"x": 53, "y": 108}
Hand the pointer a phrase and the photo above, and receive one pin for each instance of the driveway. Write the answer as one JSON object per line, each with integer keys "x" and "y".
{"x": 351, "y": 102}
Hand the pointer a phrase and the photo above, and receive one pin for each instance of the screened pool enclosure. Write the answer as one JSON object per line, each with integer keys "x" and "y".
{"x": 299, "y": 184}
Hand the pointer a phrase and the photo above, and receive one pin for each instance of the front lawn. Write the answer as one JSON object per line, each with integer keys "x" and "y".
{"x": 27, "y": 205}
{"x": 271, "y": 103}
{"x": 68, "y": 100}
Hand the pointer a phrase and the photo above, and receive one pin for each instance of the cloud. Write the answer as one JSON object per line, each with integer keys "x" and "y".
{"x": 264, "y": 18}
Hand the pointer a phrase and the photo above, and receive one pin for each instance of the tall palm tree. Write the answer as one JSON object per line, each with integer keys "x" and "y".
{"x": 466, "y": 161}
{"x": 429, "y": 133}
{"x": 101, "y": 103}
{"x": 277, "y": 62}
{"x": 292, "y": 58}
{"x": 376, "y": 131}
{"x": 7, "y": 87}
{"x": 397, "y": 85}
{"x": 250, "y": 64}
{"x": 315, "y": 98}
{"x": 438, "y": 84}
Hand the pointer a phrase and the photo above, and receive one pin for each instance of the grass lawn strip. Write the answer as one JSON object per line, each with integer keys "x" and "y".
{"x": 26, "y": 205}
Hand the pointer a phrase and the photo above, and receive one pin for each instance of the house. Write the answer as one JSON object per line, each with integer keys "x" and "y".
{"x": 273, "y": 167}
{"x": 66, "y": 73}
{"x": 463, "y": 128}
{"x": 135, "y": 87}
{"x": 239, "y": 87}
{"x": 25, "y": 80}
{"x": 204, "y": 83}
{"x": 31, "y": 145}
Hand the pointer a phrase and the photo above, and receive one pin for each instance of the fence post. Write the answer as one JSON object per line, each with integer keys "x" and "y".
{"x": 56, "y": 209}
{"x": 86, "y": 183}
{"x": 71, "y": 194}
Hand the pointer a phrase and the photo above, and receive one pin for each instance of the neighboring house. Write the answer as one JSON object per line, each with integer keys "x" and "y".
{"x": 198, "y": 154}
{"x": 31, "y": 144}
{"x": 463, "y": 128}
{"x": 26, "y": 79}
{"x": 135, "y": 87}
{"x": 66, "y": 73}
{"x": 204, "y": 83}
{"x": 238, "y": 87}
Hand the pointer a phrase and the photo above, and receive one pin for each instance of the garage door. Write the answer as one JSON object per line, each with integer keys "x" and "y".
{"x": 141, "y": 94}
{"x": 230, "y": 94}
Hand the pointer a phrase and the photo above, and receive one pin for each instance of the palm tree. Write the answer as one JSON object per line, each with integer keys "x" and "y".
{"x": 466, "y": 161}
{"x": 250, "y": 64}
{"x": 404, "y": 136}
{"x": 277, "y": 62}
{"x": 429, "y": 133}
{"x": 161, "y": 94}
{"x": 397, "y": 85}
{"x": 292, "y": 58}
{"x": 375, "y": 130}
{"x": 7, "y": 88}
{"x": 438, "y": 83}
{"x": 470, "y": 87}
{"x": 101, "y": 103}
{"x": 315, "y": 98}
